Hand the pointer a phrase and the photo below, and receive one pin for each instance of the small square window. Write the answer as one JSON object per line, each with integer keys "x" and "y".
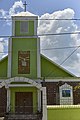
{"x": 66, "y": 93}
{"x": 24, "y": 26}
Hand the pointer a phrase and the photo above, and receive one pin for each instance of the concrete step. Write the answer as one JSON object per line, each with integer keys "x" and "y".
{"x": 23, "y": 117}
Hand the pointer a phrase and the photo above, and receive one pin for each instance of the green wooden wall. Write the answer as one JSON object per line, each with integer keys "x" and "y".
{"x": 49, "y": 69}
{"x": 3, "y": 67}
{"x": 24, "y": 44}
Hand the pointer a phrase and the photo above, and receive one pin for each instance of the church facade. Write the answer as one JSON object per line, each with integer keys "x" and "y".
{"x": 29, "y": 81}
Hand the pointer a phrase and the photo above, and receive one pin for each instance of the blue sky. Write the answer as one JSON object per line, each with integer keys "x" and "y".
{"x": 42, "y": 6}
{"x": 48, "y": 9}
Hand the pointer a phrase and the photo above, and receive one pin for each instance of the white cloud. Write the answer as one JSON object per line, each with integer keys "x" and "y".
{"x": 17, "y": 7}
{"x": 49, "y": 42}
{"x": 2, "y": 13}
{"x": 14, "y": 9}
{"x": 58, "y": 26}
{"x": 1, "y": 47}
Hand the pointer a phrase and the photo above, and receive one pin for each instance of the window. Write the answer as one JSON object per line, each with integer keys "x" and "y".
{"x": 66, "y": 93}
{"x": 24, "y": 27}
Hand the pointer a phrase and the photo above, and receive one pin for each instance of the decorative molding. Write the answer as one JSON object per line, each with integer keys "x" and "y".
{"x": 21, "y": 18}
{"x": 35, "y": 26}
{"x": 20, "y": 85}
{"x": 20, "y": 79}
{"x": 66, "y": 94}
{"x": 39, "y": 100}
{"x": 13, "y": 27}
{"x": 62, "y": 106}
{"x": 63, "y": 79}
{"x": 38, "y": 59}
{"x": 9, "y": 57}
{"x": 8, "y": 99}
{"x": 44, "y": 99}
{"x": 31, "y": 36}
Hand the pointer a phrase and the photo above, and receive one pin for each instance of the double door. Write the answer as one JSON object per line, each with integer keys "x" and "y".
{"x": 24, "y": 102}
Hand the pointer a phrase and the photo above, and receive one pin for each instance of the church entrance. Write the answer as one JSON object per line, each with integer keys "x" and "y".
{"x": 23, "y": 102}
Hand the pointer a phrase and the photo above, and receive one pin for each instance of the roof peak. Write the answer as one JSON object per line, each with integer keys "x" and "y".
{"x": 27, "y": 13}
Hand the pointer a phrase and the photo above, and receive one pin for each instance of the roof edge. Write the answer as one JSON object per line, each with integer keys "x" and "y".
{"x": 3, "y": 58}
{"x": 58, "y": 65}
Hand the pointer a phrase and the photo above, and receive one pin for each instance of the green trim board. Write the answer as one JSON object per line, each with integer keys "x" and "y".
{"x": 51, "y": 69}
{"x": 23, "y": 89}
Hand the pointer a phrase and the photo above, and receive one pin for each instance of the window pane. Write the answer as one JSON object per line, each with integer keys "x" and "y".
{"x": 24, "y": 27}
{"x": 65, "y": 93}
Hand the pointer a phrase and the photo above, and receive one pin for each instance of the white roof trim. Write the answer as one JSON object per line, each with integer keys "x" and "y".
{"x": 27, "y": 13}
{"x": 3, "y": 58}
{"x": 63, "y": 79}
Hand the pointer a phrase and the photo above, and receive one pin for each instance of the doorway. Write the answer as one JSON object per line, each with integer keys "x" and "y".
{"x": 23, "y": 102}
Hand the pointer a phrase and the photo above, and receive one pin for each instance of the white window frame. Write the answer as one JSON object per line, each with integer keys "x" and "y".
{"x": 66, "y": 100}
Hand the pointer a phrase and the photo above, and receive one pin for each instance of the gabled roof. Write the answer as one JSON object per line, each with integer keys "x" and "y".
{"x": 3, "y": 58}
{"x": 58, "y": 66}
{"x": 52, "y": 62}
{"x": 24, "y": 14}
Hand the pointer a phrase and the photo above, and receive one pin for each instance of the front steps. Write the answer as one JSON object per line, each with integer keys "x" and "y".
{"x": 23, "y": 117}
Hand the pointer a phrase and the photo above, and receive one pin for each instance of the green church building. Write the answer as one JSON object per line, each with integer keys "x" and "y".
{"x": 29, "y": 81}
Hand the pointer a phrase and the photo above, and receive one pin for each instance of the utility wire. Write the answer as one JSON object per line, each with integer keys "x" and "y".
{"x": 69, "y": 56}
{"x": 65, "y": 59}
{"x": 51, "y": 34}
{"x": 41, "y": 19}
{"x": 47, "y": 49}
{"x": 60, "y": 48}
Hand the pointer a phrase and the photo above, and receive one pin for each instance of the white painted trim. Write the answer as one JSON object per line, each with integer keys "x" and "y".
{"x": 20, "y": 79}
{"x": 25, "y": 36}
{"x": 64, "y": 80}
{"x": 13, "y": 27}
{"x": 3, "y": 58}
{"x": 8, "y": 99}
{"x": 44, "y": 104}
{"x": 66, "y": 100}
{"x": 39, "y": 100}
{"x": 20, "y": 85}
{"x": 38, "y": 59}
{"x": 21, "y": 18}
{"x": 62, "y": 106}
{"x": 9, "y": 57}
{"x": 35, "y": 26}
